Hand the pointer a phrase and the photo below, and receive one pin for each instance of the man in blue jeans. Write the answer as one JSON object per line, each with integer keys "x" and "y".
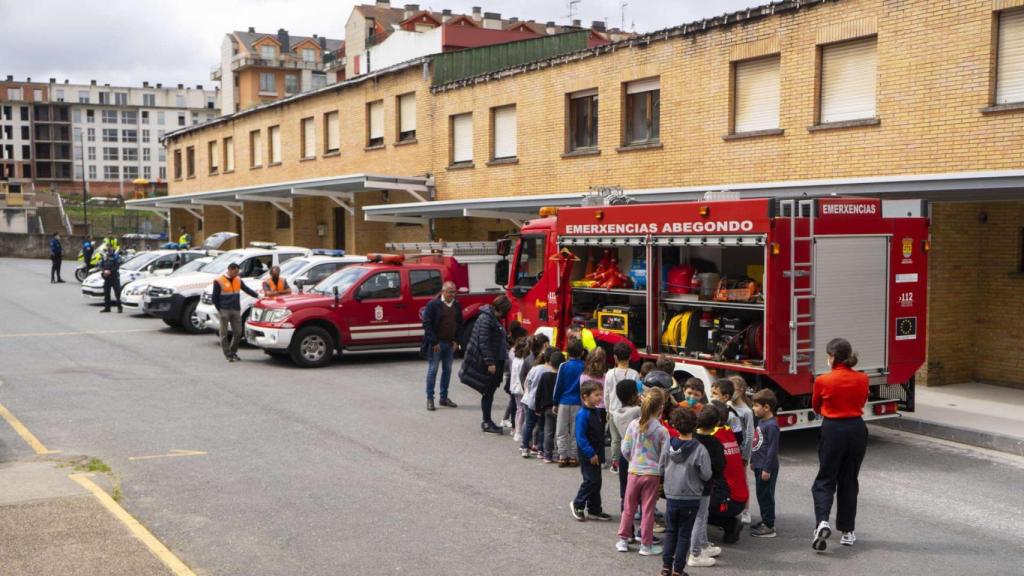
{"x": 442, "y": 324}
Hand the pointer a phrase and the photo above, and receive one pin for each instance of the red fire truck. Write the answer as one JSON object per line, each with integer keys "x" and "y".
{"x": 755, "y": 287}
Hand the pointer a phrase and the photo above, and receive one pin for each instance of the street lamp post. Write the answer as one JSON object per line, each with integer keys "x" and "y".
{"x": 85, "y": 185}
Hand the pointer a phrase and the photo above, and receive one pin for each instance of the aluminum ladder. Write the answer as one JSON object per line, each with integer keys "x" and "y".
{"x": 479, "y": 248}
{"x": 801, "y": 285}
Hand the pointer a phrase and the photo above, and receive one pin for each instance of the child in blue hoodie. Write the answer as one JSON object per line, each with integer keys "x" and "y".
{"x": 567, "y": 401}
{"x": 687, "y": 467}
{"x": 590, "y": 439}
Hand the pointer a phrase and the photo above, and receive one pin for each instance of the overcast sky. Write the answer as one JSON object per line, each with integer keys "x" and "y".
{"x": 124, "y": 42}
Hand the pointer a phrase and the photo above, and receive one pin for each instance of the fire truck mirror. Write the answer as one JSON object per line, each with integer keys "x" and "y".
{"x": 504, "y": 247}
{"x": 501, "y": 268}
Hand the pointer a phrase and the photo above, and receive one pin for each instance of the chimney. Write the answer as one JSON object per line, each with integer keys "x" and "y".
{"x": 577, "y": 23}
{"x": 145, "y": 84}
{"x": 492, "y": 20}
{"x": 597, "y": 25}
{"x": 476, "y": 13}
{"x": 159, "y": 85}
{"x": 384, "y": 3}
{"x": 65, "y": 80}
{"x": 105, "y": 85}
{"x": 29, "y": 79}
{"x": 252, "y": 30}
{"x": 53, "y": 80}
{"x": 282, "y": 37}
{"x": 92, "y": 82}
{"x": 323, "y": 43}
{"x": 513, "y": 19}
{"x": 181, "y": 86}
{"x": 410, "y": 9}
{"x": 10, "y": 78}
{"x": 199, "y": 86}
{"x": 549, "y": 27}
{"x": 446, "y": 15}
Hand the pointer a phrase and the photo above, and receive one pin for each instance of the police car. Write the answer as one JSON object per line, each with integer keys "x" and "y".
{"x": 298, "y": 272}
{"x": 175, "y": 299}
{"x": 133, "y": 292}
{"x": 142, "y": 265}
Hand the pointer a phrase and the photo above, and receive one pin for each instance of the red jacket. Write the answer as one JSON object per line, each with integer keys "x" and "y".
{"x": 841, "y": 393}
{"x": 735, "y": 474}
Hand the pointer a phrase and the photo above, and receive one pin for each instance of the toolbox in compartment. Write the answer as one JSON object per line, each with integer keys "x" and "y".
{"x": 621, "y": 319}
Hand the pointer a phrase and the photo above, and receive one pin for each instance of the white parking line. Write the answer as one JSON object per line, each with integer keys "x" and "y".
{"x": 82, "y": 333}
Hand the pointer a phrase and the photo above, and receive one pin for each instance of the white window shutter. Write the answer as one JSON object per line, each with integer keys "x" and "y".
{"x": 333, "y": 132}
{"x": 505, "y": 132}
{"x": 229, "y": 154}
{"x": 1010, "y": 54}
{"x": 646, "y": 85}
{"x": 275, "y": 144}
{"x": 407, "y": 113}
{"x": 377, "y": 120}
{"x": 848, "y": 79}
{"x": 757, "y": 95}
{"x": 257, "y": 149}
{"x": 309, "y": 138}
{"x": 462, "y": 135}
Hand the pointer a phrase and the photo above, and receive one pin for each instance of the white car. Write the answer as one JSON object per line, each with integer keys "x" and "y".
{"x": 174, "y": 299}
{"x": 133, "y": 292}
{"x": 142, "y": 265}
{"x": 298, "y": 272}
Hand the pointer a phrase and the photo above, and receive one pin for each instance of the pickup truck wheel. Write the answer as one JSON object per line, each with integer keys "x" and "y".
{"x": 189, "y": 319}
{"x": 172, "y": 323}
{"x": 312, "y": 347}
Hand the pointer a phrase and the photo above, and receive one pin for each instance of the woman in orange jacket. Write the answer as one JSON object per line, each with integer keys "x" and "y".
{"x": 839, "y": 398}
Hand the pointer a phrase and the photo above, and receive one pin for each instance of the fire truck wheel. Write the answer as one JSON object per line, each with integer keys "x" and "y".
{"x": 312, "y": 347}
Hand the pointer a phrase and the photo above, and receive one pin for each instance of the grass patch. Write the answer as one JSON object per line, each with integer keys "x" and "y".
{"x": 93, "y": 465}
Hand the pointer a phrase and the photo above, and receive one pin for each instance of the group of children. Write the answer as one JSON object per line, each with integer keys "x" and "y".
{"x": 667, "y": 440}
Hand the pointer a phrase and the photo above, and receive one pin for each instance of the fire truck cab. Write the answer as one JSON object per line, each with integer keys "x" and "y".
{"x": 755, "y": 287}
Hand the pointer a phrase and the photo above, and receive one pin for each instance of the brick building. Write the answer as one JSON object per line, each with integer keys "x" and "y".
{"x": 907, "y": 100}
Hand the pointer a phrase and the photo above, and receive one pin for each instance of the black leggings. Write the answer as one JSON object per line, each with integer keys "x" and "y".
{"x": 842, "y": 444}
{"x": 485, "y": 404}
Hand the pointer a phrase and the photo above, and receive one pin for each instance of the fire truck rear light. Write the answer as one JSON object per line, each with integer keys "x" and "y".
{"x": 886, "y": 408}
{"x": 927, "y": 246}
{"x": 786, "y": 420}
{"x": 705, "y": 211}
{"x": 776, "y": 249}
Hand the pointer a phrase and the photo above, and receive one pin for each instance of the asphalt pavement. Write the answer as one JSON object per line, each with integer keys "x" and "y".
{"x": 261, "y": 468}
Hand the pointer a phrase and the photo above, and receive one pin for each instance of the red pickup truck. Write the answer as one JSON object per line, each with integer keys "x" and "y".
{"x": 372, "y": 306}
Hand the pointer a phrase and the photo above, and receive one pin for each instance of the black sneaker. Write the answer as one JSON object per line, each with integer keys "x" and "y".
{"x": 448, "y": 403}
{"x": 430, "y": 404}
{"x": 105, "y": 310}
{"x": 599, "y": 516}
{"x": 235, "y": 358}
{"x": 577, "y": 513}
{"x": 762, "y": 531}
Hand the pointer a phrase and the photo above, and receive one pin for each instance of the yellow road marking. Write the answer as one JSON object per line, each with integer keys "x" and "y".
{"x": 22, "y": 431}
{"x": 82, "y": 333}
{"x": 135, "y": 527}
{"x": 171, "y": 454}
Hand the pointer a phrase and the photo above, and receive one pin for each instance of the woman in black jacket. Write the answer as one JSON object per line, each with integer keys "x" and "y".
{"x": 486, "y": 354}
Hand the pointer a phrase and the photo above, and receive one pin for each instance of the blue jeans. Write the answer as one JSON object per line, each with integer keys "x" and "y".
{"x": 444, "y": 357}
{"x": 679, "y": 518}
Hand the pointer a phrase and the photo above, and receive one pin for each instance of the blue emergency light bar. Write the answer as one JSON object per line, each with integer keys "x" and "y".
{"x": 328, "y": 252}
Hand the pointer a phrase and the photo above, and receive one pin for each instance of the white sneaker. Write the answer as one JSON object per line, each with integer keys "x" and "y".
{"x": 506, "y": 423}
{"x": 821, "y": 534}
{"x": 848, "y": 539}
{"x": 702, "y": 561}
{"x": 650, "y": 550}
{"x": 622, "y": 545}
{"x": 518, "y": 437}
{"x": 524, "y": 452}
{"x": 745, "y": 517}
{"x": 712, "y": 551}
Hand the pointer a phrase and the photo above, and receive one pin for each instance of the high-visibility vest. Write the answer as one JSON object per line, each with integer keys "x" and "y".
{"x": 185, "y": 238}
{"x": 230, "y": 285}
{"x": 588, "y": 339}
{"x": 278, "y": 287}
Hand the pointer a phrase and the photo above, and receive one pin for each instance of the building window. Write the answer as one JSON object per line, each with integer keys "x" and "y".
{"x": 90, "y": 134}
{"x": 195, "y": 117}
{"x": 104, "y": 97}
{"x": 308, "y": 55}
{"x": 91, "y": 153}
{"x": 60, "y": 95}
{"x": 92, "y": 172}
{"x": 23, "y": 111}
{"x": 407, "y": 117}
{"x": 462, "y": 138}
{"x": 1010, "y": 58}
{"x": 318, "y": 80}
{"x": 111, "y": 173}
{"x": 209, "y": 102}
{"x": 110, "y": 153}
{"x": 190, "y": 161}
{"x": 26, "y": 133}
{"x": 268, "y": 84}
{"x": 211, "y": 156}
{"x": 229, "y": 154}
{"x": 129, "y": 135}
{"x": 131, "y": 172}
{"x": 130, "y": 154}
{"x": 129, "y": 117}
{"x": 160, "y": 117}
{"x": 163, "y": 172}
{"x": 76, "y": 116}
{"x": 147, "y": 172}
{"x": 145, "y": 136}
{"x": 147, "y": 155}
{"x": 181, "y": 118}
{"x": 90, "y": 116}
{"x": 643, "y": 112}
{"x": 14, "y": 93}
{"x": 161, "y": 154}
{"x": 83, "y": 96}
{"x": 332, "y": 134}
{"x": 149, "y": 99}
{"x": 110, "y": 135}
{"x": 267, "y": 52}
{"x": 291, "y": 84}
{"x": 145, "y": 116}
{"x": 37, "y": 95}
{"x": 179, "y": 101}
{"x": 255, "y": 149}
{"x": 756, "y": 95}
{"x": 284, "y": 221}
{"x": 308, "y": 138}
{"x": 121, "y": 98}
{"x": 847, "y": 81}
{"x": 110, "y": 116}
{"x": 274, "y": 132}
{"x": 583, "y": 120}
{"x": 375, "y": 124}
{"x": 503, "y": 132}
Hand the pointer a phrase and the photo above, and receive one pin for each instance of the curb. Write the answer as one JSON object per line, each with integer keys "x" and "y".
{"x": 981, "y": 439}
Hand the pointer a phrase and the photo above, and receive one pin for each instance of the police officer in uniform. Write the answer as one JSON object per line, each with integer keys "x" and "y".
{"x": 274, "y": 285}
{"x": 227, "y": 290}
{"x": 185, "y": 239}
{"x": 56, "y": 258}
{"x": 110, "y": 269}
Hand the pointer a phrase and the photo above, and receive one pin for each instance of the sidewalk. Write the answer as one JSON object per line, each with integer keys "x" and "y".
{"x": 980, "y": 415}
{"x": 51, "y": 525}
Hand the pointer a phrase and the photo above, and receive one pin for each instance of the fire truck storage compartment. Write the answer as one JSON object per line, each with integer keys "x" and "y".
{"x": 721, "y": 315}
{"x": 605, "y": 280}
{"x": 851, "y": 286}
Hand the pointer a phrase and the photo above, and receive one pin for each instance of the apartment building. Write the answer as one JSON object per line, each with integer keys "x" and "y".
{"x": 17, "y": 113}
{"x": 912, "y": 100}
{"x": 257, "y": 67}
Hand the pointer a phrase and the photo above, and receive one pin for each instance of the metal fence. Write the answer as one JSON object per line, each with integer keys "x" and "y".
{"x": 453, "y": 66}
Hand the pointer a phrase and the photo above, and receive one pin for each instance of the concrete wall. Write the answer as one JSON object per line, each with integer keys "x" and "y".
{"x": 38, "y": 245}
{"x": 400, "y": 46}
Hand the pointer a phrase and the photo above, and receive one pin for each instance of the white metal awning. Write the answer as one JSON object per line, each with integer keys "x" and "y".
{"x": 1001, "y": 185}
{"x": 339, "y": 189}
